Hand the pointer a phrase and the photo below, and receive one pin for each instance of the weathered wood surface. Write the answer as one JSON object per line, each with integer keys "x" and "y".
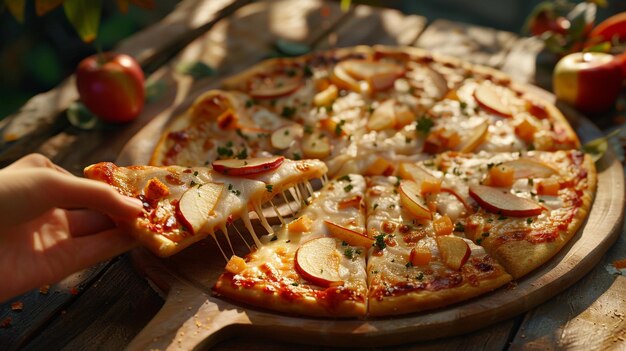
{"x": 224, "y": 48}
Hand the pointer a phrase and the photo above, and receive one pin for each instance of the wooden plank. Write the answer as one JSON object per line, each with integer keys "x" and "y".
{"x": 366, "y": 25}
{"x": 43, "y": 116}
{"x": 106, "y": 317}
{"x": 589, "y": 316}
{"x": 492, "y": 338}
{"x": 485, "y": 46}
{"x": 39, "y": 308}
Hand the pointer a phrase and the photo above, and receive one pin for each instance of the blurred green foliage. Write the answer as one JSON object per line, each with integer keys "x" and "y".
{"x": 37, "y": 55}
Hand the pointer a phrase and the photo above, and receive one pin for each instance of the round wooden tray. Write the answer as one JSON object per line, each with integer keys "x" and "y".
{"x": 191, "y": 317}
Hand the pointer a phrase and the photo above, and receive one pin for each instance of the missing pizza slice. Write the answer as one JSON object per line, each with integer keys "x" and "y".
{"x": 183, "y": 205}
{"x": 315, "y": 264}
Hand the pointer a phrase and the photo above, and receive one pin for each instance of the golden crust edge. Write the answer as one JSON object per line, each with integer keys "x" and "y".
{"x": 427, "y": 300}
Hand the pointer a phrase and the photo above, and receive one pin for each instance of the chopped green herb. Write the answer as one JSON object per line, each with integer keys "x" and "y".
{"x": 478, "y": 241}
{"x": 529, "y": 220}
{"x": 243, "y": 154}
{"x": 485, "y": 234}
{"x": 249, "y": 103}
{"x": 409, "y": 264}
{"x": 349, "y": 253}
{"x": 489, "y": 220}
{"x": 294, "y": 284}
{"x": 420, "y": 276}
{"x": 296, "y": 156}
{"x": 459, "y": 227}
{"x": 192, "y": 183}
{"x": 374, "y": 207}
{"x": 224, "y": 151}
{"x": 346, "y": 178}
{"x": 343, "y": 243}
{"x": 308, "y": 129}
{"x": 531, "y": 181}
{"x": 269, "y": 188}
{"x": 308, "y": 72}
{"x": 274, "y": 238}
{"x": 502, "y": 218}
{"x": 288, "y": 111}
{"x": 424, "y": 125}
{"x": 348, "y": 187}
{"x": 380, "y": 242}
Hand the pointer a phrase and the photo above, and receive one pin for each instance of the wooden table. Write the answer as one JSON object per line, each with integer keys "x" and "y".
{"x": 105, "y": 306}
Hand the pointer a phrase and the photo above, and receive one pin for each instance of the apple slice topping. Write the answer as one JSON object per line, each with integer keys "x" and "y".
{"x": 409, "y": 199}
{"x": 315, "y": 146}
{"x": 318, "y": 262}
{"x": 250, "y": 166}
{"x": 497, "y": 201}
{"x": 198, "y": 202}
{"x": 427, "y": 182}
{"x": 489, "y": 99}
{"x": 380, "y": 75}
{"x": 284, "y": 136}
{"x": 454, "y": 251}
{"x": 475, "y": 138}
{"x": 383, "y": 117}
{"x": 348, "y": 235}
{"x": 529, "y": 168}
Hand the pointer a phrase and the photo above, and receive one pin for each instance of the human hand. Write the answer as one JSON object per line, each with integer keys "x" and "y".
{"x": 53, "y": 224}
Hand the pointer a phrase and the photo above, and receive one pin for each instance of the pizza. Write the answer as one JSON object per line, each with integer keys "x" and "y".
{"x": 444, "y": 180}
{"x": 183, "y": 205}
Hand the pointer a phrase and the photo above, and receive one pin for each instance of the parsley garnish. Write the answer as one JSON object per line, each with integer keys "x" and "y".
{"x": 420, "y": 276}
{"x": 294, "y": 284}
{"x": 274, "y": 238}
{"x": 349, "y": 253}
{"x": 424, "y": 125}
{"x": 347, "y": 188}
{"x": 478, "y": 241}
{"x": 308, "y": 129}
{"x": 485, "y": 234}
{"x": 296, "y": 156}
{"x": 224, "y": 151}
{"x": 409, "y": 264}
{"x": 529, "y": 220}
{"x": 288, "y": 111}
{"x": 531, "y": 181}
{"x": 380, "y": 242}
{"x": 501, "y": 218}
{"x": 195, "y": 173}
{"x": 243, "y": 154}
{"x": 346, "y": 178}
{"x": 269, "y": 188}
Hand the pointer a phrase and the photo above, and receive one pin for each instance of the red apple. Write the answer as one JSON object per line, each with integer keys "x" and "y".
{"x": 318, "y": 262}
{"x": 589, "y": 81}
{"x": 348, "y": 235}
{"x": 410, "y": 200}
{"x": 111, "y": 86}
{"x": 454, "y": 251}
{"x": 611, "y": 28}
{"x": 198, "y": 202}
{"x": 497, "y": 201}
{"x": 250, "y": 166}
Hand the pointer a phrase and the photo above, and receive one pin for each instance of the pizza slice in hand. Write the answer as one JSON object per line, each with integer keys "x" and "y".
{"x": 183, "y": 205}
{"x": 315, "y": 264}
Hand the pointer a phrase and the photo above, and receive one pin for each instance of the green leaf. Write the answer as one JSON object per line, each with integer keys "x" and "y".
{"x": 80, "y": 117}
{"x": 84, "y": 15}
{"x": 597, "y": 147}
{"x": 345, "y": 5}
{"x": 289, "y": 48}
{"x": 16, "y": 7}
{"x": 154, "y": 89}
{"x": 196, "y": 69}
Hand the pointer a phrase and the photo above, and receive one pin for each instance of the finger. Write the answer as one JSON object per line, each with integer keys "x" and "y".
{"x": 85, "y": 222}
{"x": 35, "y": 161}
{"x": 99, "y": 247}
{"x": 32, "y": 192}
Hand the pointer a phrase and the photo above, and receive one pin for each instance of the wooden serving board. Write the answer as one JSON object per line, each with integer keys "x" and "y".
{"x": 192, "y": 318}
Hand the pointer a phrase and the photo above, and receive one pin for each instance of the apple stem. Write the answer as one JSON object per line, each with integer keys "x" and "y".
{"x": 101, "y": 58}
